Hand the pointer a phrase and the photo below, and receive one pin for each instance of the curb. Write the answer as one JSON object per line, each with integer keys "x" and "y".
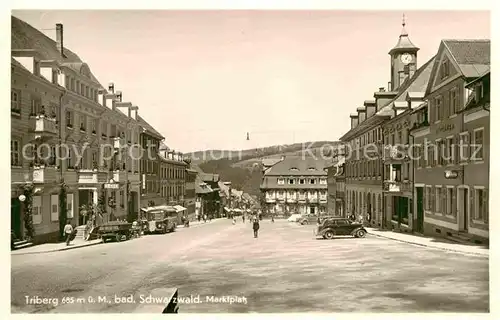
{"x": 432, "y": 247}
{"x": 56, "y": 250}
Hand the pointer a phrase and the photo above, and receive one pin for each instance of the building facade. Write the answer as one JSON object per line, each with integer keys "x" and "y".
{"x": 190, "y": 190}
{"x": 451, "y": 182}
{"x": 173, "y": 187}
{"x": 295, "y": 185}
{"x": 60, "y": 109}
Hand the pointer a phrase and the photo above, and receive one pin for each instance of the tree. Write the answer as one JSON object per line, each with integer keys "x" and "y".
{"x": 63, "y": 208}
{"x": 28, "y": 211}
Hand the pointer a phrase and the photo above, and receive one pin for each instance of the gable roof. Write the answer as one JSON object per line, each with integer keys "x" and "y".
{"x": 472, "y": 56}
{"x": 149, "y": 128}
{"x": 24, "y": 36}
{"x": 298, "y": 166}
{"x": 417, "y": 83}
{"x": 269, "y": 162}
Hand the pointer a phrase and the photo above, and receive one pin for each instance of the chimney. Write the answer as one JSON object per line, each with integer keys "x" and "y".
{"x": 371, "y": 108}
{"x": 361, "y": 114}
{"x": 60, "y": 38}
{"x": 381, "y": 89}
{"x": 354, "y": 120}
{"x": 389, "y": 86}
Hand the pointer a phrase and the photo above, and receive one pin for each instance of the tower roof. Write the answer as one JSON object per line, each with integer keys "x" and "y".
{"x": 404, "y": 42}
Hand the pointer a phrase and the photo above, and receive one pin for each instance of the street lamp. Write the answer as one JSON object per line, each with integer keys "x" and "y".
{"x": 22, "y": 198}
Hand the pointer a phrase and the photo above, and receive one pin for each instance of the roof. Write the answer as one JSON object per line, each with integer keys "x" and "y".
{"x": 404, "y": 43}
{"x": 472, "y": 55}
{"x": 163, "y": 146}
{"x": 201, "y": 187}
{"x": 298, "y": 166}
{"x": 213, "y": 177}
{"x": 417, "y": 83}
{"x": 149, "y": 128}
{"x": 486, "y": 74}
{"x": 269, "y": 162}
{"x": 24, "y": 36}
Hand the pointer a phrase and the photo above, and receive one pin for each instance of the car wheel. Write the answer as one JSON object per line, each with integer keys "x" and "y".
{"x": 304, "y": 222}
{"x": 360, "y": 233}
{"x": 329, "y": 235}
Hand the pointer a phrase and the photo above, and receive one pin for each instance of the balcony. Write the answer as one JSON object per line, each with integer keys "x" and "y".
{"x": 313, "y": 200}
{"x": 43, "y": 127}
{"x": 119, "y": 176}
{"x": 302, "y": 199}
{"x": 44, "y": 174}
{"x": 323, "y": 199}
{"x": 291, "y": 199}
{"x": 396, "y": 154}
{"x": 134, "y": 177}
{"x": 86, "y": 176}
{"x": 397, "y": 186}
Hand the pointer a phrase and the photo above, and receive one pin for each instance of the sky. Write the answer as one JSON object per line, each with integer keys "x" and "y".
{"x": 206, "y": 78}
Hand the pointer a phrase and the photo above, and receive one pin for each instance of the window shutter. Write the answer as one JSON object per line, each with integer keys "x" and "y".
{"x": 54, "y": 207}
{"x": 472, "y": 205}
{"x": 454, "y": 202}
{"x": 485, "y": 206}
{"x": 69, "y": 203}
{"x": 37, "y": 210}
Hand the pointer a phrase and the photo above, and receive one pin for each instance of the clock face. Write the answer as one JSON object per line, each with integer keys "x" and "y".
{"x": 406, "y": 58}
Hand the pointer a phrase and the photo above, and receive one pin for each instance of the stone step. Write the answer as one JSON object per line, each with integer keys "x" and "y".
{"x": 20, "y": 242}
{"x": 26, "y": 244}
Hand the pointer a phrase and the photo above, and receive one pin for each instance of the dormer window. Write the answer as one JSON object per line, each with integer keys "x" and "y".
{"x": 479, "y": 92}
{"x": 311, "y": 169}
{"x": 291, "y": 181}
{"x": 312, "y": 181}
{"x": 302, "y": 181}
{"x": 294, "y": 169}
{"x": 445, "y": 69}
{"x": 281, "y": 181}
{"x": 322, "y": 181}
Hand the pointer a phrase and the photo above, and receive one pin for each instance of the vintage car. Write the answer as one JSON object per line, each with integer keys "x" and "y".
{"x": 332, "y": 227}
{"x": 115, "y": 230}
{"x": 312, "y": 219}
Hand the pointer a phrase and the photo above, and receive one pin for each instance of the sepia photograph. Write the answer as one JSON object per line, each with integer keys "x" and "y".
{"x": 249, "y": 161}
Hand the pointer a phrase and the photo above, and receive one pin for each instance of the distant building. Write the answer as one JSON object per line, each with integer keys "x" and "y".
{"x": 296, "y": 184}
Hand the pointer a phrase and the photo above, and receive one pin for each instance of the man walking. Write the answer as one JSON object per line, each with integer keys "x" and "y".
{"x": 68, "y": 230}
{"x": 256, "y": 227}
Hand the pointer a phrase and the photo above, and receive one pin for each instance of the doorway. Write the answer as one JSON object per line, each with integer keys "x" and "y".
{"x": 464, "y": 209}
{"x": 420, "y": 210}
{"x": 15, "y": 218}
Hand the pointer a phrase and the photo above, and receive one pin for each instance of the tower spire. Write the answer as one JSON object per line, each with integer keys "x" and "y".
{"x": 403, "y": 31}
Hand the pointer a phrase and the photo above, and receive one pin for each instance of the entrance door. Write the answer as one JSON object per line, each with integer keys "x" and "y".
{"x": 15, "y": 217}
{"x": 420, "y": 210}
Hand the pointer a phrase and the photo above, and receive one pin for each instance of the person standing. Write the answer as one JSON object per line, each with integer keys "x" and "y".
{"x": 68, "y": 230}
{"x": 256, "y": 227}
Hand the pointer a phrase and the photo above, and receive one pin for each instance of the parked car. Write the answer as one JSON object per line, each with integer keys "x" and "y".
{"x": 332, "y": 227}
{"x": 308, "y": 218}
{"x": 294, "y": 217}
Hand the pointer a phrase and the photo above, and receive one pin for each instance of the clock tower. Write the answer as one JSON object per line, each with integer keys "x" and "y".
{"x": 403, "y": 59}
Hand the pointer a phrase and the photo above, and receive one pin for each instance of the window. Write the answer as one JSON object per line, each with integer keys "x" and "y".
{"x": 450, "y": 201}
{"x": 439, "y": 108}
{"x": 14, "y": 102}
{"x": 83, "y": 122}
{"x": 477, "y": 147}
{"x": 291, "y": 181}
{"x": 312, "y": 210}
{"x": 37, "y": 210}
{"x": 281, "y": 181}
{"x": 429, "y": 198}
{"x": 35, "y": 107}
{"x": 322, "y": 181}
{"x": 94, "y": 126}
{"x": 480, "y": 204}
{"x": 54, "y": 207}
{"x": 69, "y": 119}
{"x": 312, "y": 181}
{"x": 440, "y": 150}
{"x": 82, "y": 89}
{"x": 70, "y": 160}
{"x": 454, "y": 103}
{"x": 69, "y": 205}
{"x": 445, "y": 69}
{"x": 464, "y": 147}
{"x": 55, "y": 76}
{"x": 104, "y": 129}
{"x": 294, "y": 169}
{"x": 73, "y": 85}
{"x": 15, "y": 153}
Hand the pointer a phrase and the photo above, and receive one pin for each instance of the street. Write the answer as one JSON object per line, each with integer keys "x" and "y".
{"x": 284, "y": 270}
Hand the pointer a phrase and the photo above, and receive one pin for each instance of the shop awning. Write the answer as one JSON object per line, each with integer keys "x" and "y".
{"x": 227, "y": 209}
{"x": 237, "y": 210}
{"x": 179, "y": 208}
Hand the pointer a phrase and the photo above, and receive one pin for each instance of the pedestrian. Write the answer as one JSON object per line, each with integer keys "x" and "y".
{"x": 205, "y": 218}
{"x": 272, "y": 218}
{"x": 243, "y": 217}
{"x": 353, "y": 217}
{"x": 68, "y": 230}
{"x": 256, "y": 227}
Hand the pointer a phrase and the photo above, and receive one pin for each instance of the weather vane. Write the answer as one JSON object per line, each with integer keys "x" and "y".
{"x": 248, "y": 136}
{"x": 404, "y": 22}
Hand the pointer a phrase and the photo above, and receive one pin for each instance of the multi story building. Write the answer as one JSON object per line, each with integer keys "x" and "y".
{"x": 451, "y": 182}
{"x": 296, "y": 184}
{"x": 397, "y": 154}
{"x": 336, "y": 182}
{"x": 190, "y": 189}
{"x": 150, "y": 162}
{"x": 173, "y": 169}
{"x": 60, "y": 109}
{"x": 364, "y": 154}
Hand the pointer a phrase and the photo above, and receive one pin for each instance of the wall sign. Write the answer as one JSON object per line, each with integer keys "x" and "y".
{"x": 445, "y": 127}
